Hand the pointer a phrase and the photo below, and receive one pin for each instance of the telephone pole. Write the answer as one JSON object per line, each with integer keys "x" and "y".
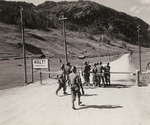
{"x": 108, "y": 53}
{"x": 99, "y": 50}
{"x": 138, "y": 29}
{"x": 62, "y": 18}
{"x": 24, "y": 48}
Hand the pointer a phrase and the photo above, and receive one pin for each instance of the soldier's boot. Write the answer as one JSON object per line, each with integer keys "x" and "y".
{"x": 64, "y": 89}
{"x": 65, "y": 93}
{"x": 73, "y": 107}
{"x": 79, "y": 102}
{"x": 103, "y": 85}
{"x": 56, "y": 92}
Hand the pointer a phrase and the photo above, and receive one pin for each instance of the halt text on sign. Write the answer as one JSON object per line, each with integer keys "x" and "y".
{"x": 40, "y": 63}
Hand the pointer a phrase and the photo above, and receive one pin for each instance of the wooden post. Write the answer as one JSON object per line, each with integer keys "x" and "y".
{"x": 24, "y": 48}
{"x": 138, "y": 29}
{"x": 49, "y": 67}
{"x": 99, "y": 50}
{"x": 32, "y": 70}
{"x": 40, "y": 77}
{"x": 137, "y": 77}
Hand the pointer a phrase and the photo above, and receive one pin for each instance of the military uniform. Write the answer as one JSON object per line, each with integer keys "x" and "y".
{"x": 62, "y": 81}
{"x": 67, "y": 72}
{"x": 75, "y": 88}
{"x": 94, "y": 71}
{"x": 107, "y": 74}
{"x": 86, "y": 73}
{"x": 100, "y": 74}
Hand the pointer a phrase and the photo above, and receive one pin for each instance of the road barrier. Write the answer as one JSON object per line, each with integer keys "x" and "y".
{"x": 130, "y": 73}
{"x": 137, "y": 74}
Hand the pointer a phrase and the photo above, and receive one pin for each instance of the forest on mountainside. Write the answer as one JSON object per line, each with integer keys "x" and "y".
{"x": 82, "y": 16}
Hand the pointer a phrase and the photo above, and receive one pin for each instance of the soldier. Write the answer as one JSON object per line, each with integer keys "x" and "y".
{"x": 94, "y": 71}
{"x": 107, "y": 73}
{"x": 86, "y": 72}
{"x": 67, "y": 72}
{"x": 61, "y": 79}
{"x": 75, "y": 86}
{"x": 100, "y": 74}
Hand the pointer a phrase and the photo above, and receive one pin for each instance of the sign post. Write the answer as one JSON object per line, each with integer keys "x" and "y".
{"x": 40, "y": 63}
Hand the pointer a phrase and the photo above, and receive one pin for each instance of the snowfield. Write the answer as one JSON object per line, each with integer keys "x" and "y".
{"x": 122, "y": 103}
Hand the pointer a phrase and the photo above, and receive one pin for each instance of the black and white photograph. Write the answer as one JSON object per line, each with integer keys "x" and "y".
{"x": 74, "y": 62}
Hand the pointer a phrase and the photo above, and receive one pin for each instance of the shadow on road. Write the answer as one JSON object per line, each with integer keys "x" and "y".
{"x": 90, "y": 87}
{"x": 99, "y": 106}
{"x": 89, "y": 95}
{"x": 64, "y": 95}
{"x": 118, "y": 86}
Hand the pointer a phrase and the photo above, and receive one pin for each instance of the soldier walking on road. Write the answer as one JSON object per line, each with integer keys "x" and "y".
{"x": 75, "y": 86}
{"x": 67, "y": 72}
{"x": 61, "y": 79}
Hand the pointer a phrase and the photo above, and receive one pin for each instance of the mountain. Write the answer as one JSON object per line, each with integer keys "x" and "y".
{"x": 93, "y": 18}
{"x": 89, "y": 20}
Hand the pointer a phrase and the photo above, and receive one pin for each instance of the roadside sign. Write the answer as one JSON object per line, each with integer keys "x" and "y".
{"x": 40, "y": 63}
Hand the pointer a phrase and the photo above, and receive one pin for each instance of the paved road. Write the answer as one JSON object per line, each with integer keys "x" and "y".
{"x": 37, "y": 104}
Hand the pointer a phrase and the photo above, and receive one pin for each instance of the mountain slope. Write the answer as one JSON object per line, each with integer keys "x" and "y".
{"x": 51, "y": 43}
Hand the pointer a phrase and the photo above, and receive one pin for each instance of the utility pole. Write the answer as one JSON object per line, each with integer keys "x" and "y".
{"x": 99, "y": 50}
{"x": 138, "y": 29}
{"x": 108, "y": 53}
{"x": 62, "y": 18}
{"x": 24, "y": 48}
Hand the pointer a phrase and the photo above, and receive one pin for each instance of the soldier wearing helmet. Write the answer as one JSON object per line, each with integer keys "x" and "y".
{"x": 86, "y": 72}
{"x": 95, "y": 73}
{"x": 67, "y": 72}
{"x": 100, "y": 75}
{"x": 75, "y": 86}
{"x": 107, "y": 73}
{"x": 61, "y": 79}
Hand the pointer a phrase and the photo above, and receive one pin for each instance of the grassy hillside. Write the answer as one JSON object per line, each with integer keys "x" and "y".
{"x": 51, "y": 43}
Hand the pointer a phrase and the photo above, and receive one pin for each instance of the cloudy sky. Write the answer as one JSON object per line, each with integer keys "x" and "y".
{"x": 138, "y": 8}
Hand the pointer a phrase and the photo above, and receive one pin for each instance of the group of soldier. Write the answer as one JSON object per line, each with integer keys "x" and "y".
{"x": 68, "y": 75}
{"x": 101, "y": 74}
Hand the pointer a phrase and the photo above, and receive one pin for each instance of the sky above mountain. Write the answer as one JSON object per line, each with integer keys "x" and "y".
{"x": 138, "y": 8}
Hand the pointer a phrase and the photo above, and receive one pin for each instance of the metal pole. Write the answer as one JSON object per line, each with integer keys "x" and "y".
{"x": 24, "y": 52}
{"x": 139, "y": 48}
{"x": 64, "y": 32}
